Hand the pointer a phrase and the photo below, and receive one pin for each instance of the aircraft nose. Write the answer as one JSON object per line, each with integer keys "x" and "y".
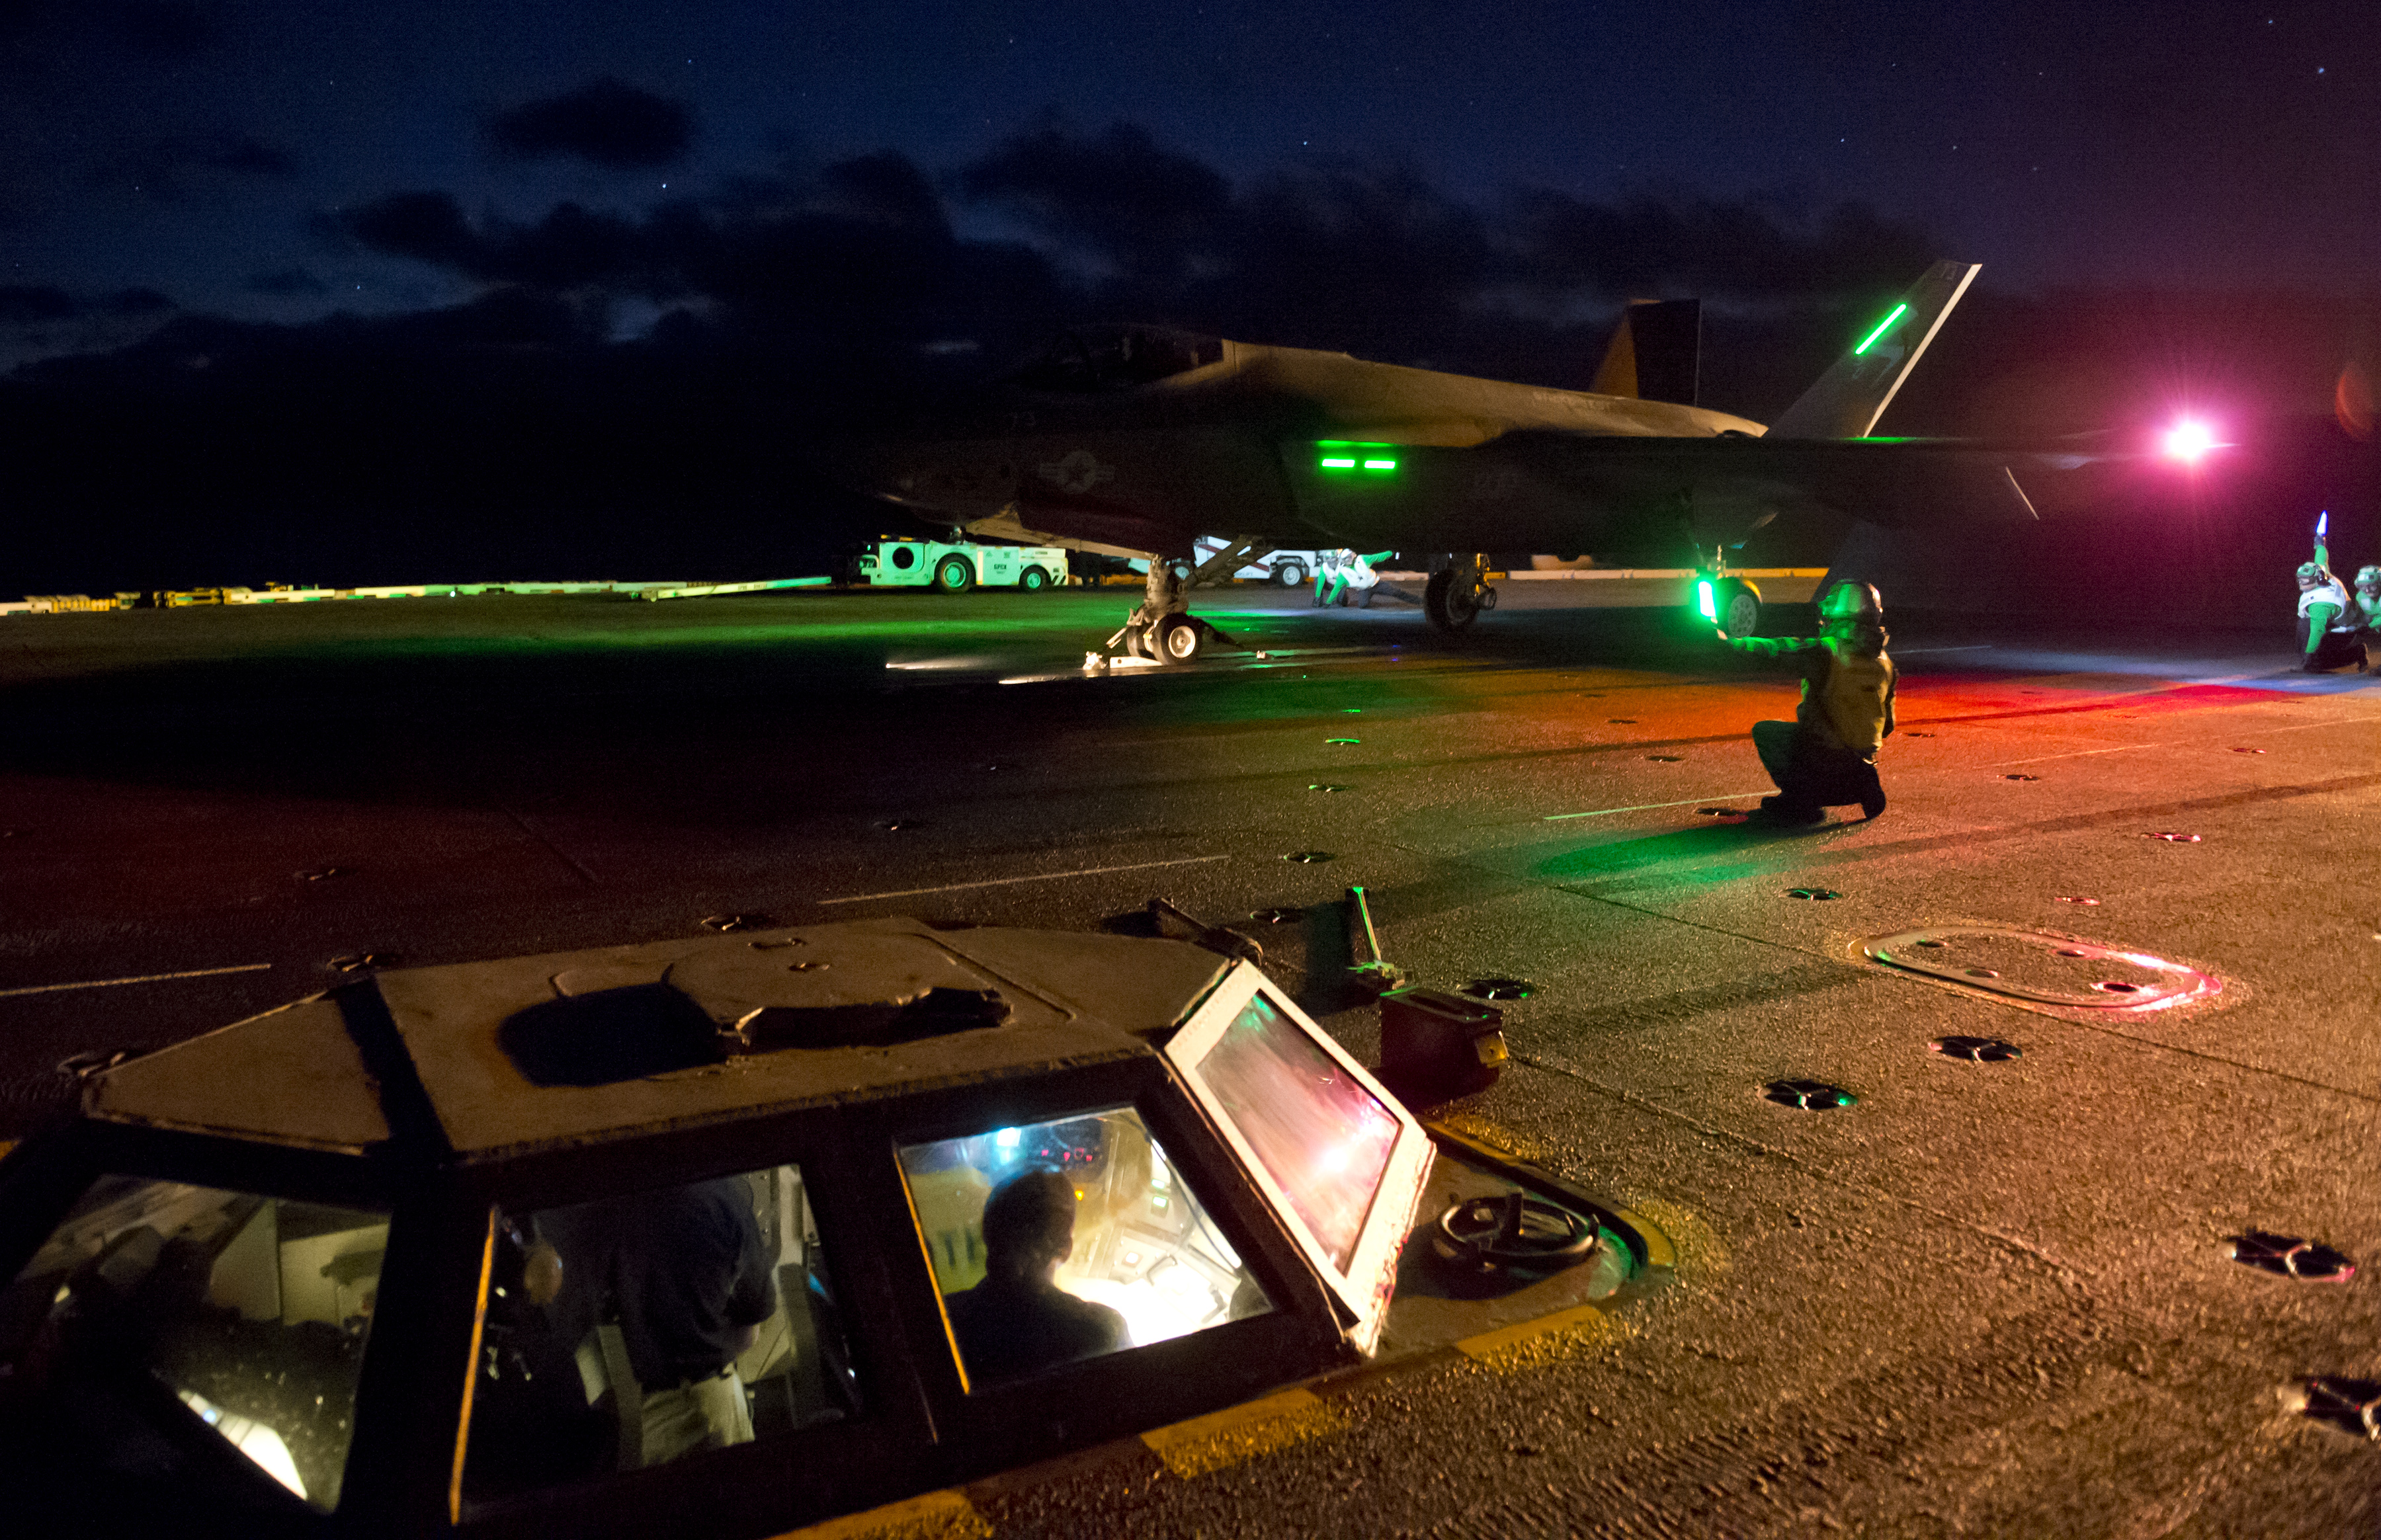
{"x": 964, "y": 479}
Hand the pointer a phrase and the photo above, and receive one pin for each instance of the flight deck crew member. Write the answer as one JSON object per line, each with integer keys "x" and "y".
{"x": 685, "y": 1273}
{"x": 2330, "y": 636}
{"x": 2364, "y": 604}
{"x": 1349, "y": 573}
{"x": 1826, "y": 755}
{"x": 1018, "y": 1321}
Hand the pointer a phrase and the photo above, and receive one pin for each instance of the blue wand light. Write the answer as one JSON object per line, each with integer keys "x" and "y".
{"x": 2322, "y": 523}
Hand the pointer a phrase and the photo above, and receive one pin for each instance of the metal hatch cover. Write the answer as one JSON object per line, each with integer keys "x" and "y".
{"x": 2041, "y": 967}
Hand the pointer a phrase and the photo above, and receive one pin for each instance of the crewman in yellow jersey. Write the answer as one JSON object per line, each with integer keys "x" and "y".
{"x": 1826, "y": 755}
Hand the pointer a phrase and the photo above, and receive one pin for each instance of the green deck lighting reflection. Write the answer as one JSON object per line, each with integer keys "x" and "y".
{"x": 1898, "y": 312}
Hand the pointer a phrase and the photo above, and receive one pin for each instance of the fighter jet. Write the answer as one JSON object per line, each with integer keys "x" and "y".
{"x": 1135, "y": 439}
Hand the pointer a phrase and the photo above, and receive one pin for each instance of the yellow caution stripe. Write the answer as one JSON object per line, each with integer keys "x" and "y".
{"x": 1238, "y": 1433}
{"x": 945, "y": 1515}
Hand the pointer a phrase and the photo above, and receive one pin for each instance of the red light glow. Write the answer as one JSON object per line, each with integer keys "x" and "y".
{"x": 2188, "y": 441}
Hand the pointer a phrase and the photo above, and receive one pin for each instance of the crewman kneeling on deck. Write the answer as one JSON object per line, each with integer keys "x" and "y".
{"x": 2330, "y": 625}
{"x": 1826, "y": 755}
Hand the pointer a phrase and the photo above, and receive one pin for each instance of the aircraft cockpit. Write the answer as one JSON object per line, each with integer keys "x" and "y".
{"x": 1097, "y": 360}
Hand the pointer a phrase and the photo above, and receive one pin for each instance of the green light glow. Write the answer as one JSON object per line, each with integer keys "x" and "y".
{"x": 1329, "y": 463}
{"x": 1380, "y": 464}
{"x": 1348, "y": 443}
{"x": 1704, "y": 601}
{"x": 1898, "y": 312}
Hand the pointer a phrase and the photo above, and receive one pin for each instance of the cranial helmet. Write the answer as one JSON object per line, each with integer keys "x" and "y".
{"x": 2368, "y": 578}
{"x": 2312, "y": 572}
{"x": 1850, "y": 600}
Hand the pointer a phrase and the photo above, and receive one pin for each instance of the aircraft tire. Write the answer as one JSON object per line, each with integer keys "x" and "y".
{"x": 1177, "y": 639}
{"x": 1034, "y": 580}
{"x": 1740, "y": 610}
{"x": 1449, "y": 607}
{"x": 954, "y": 574}
{"x": 1289, "y": 575}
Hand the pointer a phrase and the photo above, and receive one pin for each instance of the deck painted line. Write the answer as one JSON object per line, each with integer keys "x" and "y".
{"x": 1648, "y": 807}
{"x": 1009, "y": 882}
{"x": 1492, "y": 1344}
{"x": 944, "y": 1515}
{"x": 1659, "y": 1252}
{"x": 1222, "y": 1439}
{"x": 135, "y": 979}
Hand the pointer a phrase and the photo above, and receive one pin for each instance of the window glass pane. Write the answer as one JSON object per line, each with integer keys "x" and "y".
{"x": 1320, "y": 1134}
{"x": 640, "y": 1329}
{"x": 249, "y": 1312}
{"x": 1067, "y": 1240}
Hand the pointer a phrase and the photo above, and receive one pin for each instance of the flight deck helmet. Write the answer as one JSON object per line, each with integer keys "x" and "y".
{"x": 1850, "y": 600}
{"x": 2368, "y": 580}
{"x": 2313, "y": 574}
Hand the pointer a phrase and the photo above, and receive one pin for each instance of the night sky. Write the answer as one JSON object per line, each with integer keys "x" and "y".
{"x": 213, "y": 156}
{"x": 306, "y": 291}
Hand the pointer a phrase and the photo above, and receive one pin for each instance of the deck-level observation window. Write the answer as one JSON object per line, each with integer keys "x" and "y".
{"x": 644, "y": 1327}
{"x": 1056, "y": 1242}
{"x": 157, "y": 1301}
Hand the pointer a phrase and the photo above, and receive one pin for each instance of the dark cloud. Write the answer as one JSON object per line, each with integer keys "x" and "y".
{"x": 609, "y": 121}
{"x": 884, "y": 188}
{"x": 164, "y": 169}
{"x": 1749, "y": 249}
{"x": 30, "y": 304}
{"x": 427, "y": 226}
{"x": 1372, "y": 259}
{"x": 860, "y": 258}
{"x": 134, "y": 302}
{"x": 1143, "y": 208}
{"x": 287, "y": 283}
{"x": 570, "y": 249}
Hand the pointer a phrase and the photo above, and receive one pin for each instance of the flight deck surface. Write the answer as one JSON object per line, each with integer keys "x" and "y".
{"x": 1987, "y": 1295}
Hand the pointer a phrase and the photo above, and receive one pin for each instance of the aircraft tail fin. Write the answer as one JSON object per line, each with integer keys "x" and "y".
{"x": 1850, "y": 397}
{"x": 1655, "y": 353}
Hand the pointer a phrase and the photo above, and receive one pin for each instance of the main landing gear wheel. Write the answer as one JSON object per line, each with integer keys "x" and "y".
{"x": 1176, "y": 639}
{"x": 1451, "y": 601}
{"x": 1034, "y": 580}
{"x": 1740, "y": 610}
{"x": 954, "y": 574}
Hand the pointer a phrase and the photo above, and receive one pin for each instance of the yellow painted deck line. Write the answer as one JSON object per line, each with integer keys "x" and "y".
{"x": 1659, "y": 1252}
{"x": 944, "y": 1515}
{"x": 1489, "y": 1344}
{"x": 1238, "y": 1433}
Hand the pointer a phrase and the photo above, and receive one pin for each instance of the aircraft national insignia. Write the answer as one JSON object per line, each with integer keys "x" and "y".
{"x": 1077, "y": 471}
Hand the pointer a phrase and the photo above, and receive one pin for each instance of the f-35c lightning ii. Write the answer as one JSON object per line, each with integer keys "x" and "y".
{"x": 1135, "y": 439}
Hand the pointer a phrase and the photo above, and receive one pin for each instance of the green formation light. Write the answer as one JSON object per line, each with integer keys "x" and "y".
{"x": 1897, "y": 313}
{"x": 1704, "y": 601}
{"x": 1376, "y": 463}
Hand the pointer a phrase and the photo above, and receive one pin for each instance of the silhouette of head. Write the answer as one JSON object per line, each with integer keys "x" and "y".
{"x": 1029, "y": 1223}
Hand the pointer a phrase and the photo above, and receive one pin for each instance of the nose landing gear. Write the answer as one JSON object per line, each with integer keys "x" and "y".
{"x": 1161, "y": 629}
